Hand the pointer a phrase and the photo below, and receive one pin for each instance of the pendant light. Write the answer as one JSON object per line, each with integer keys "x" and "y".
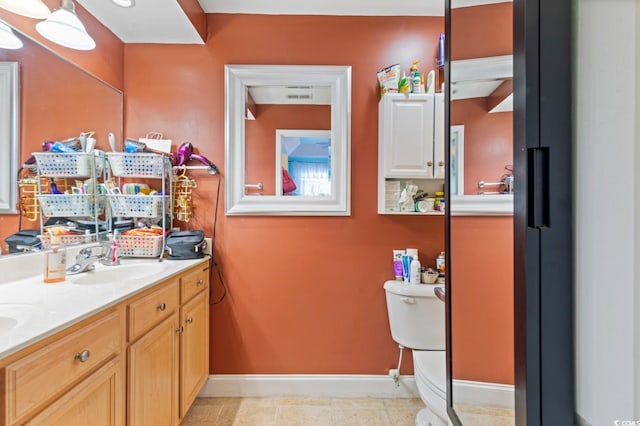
{"x": 124, "y": 3}
{"x": 30, "y": 8}
{"x": 8, "y": 39}
{"x": 63, "y": 27}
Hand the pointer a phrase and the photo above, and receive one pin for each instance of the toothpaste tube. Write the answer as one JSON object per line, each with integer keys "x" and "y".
{"x": 406, "y": 267}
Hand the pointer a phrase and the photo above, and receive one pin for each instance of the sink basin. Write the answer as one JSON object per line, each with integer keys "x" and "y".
{"x": 7, "y": 324}
{"x": 118, "y": 274}
{"x": 15, "y": 314}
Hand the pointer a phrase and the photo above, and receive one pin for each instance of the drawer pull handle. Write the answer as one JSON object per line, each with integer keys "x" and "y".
{"x": 162, "y": 307}
{"x": 190, "y": 320}
{"x": 180, "y": 329}
{"x": 83, "y": 356}
{"x": 200, "y": 281}
{"x": 441, "y": 163}
{"x": 429, "y": 163}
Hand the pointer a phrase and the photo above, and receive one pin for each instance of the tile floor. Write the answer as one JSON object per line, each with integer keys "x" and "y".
{"x": 474, "y": 415}
{"x": 302, "y": 412}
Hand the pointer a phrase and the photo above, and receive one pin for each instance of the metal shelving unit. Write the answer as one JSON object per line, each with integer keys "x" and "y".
{"x": 83, "y": 201}
{"x": 145, "y": 166}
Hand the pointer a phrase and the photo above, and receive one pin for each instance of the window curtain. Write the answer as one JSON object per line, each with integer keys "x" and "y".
{"x": 310, "y": 178}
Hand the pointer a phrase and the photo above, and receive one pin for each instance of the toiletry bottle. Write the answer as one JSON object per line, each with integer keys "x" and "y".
{"x": 440, "y": 60}
{"x": 397, "y": 264}
{"x": 440, "y": 263}
{"x": 55, "y": 262}
{"x": 415, "y": 270}
{"x": 414, "y": 76}
{"x": 114, "y": 248}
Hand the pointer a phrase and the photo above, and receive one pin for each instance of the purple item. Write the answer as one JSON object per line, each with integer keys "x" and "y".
{"x": 185, "y": 154}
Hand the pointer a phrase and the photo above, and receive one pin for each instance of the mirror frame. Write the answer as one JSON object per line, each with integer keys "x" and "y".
{"x": 10, "y": 136}
{"x": 237, "y": 80}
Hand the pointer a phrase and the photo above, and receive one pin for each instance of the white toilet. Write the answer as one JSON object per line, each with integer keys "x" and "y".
{"x": 416, "y": 318}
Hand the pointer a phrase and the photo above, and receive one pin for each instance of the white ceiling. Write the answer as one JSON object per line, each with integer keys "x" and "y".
{"x": 163, "y": 21}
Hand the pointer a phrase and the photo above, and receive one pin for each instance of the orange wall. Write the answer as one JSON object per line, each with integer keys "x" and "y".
{"x": 488, "y": 142}
{"x": 304, "y": 293}
{"x": 482, "y": 298}
{"x": 106, "y": 61}
{"x": 260, "y": 136}
{"x": 482, "y": 247}
{"x": 481, "y": 31}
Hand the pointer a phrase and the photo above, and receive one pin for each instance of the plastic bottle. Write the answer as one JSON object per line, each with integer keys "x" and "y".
{"x": 55, "y": 262}
{"x": 440, "y": 263}
{"x": 404, "y": 86}
{"x": 415, "y": 270}
{"x": 414, "y": 76}
{"x": 397, "y": 264}
{"x": 440, "y": 59}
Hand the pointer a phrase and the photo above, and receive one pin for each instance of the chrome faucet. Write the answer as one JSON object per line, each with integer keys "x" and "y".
{"x": 88, "y": 256}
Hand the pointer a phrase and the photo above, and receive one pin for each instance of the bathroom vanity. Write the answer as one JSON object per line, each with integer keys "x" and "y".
{"x": 119, "y": 345}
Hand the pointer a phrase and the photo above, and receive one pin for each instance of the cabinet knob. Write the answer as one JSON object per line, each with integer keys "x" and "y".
{"x": 190, "y": 320}
{"x": 200, "y": 281}
{"x": 83, "y": 356}
{"x": 179, "y": 329}
{"x": 441, "y": 163}
{"x": 430, "y": 163}
{"x": 162, "y": 307}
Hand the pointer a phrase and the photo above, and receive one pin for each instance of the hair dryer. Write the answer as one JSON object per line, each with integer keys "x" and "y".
{"x": 184, "y": 154}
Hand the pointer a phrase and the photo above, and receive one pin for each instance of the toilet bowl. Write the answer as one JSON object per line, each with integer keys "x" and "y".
{"x": 429, "y": 371}
{"x": 416, "y": 319}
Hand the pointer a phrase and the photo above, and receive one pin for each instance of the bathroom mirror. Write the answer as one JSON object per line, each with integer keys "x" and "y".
{"x": 480, "y": 252}
{"x": 283, "y": 124}
{"x": 9, "y": 128}
{"x": 56, "y": 100}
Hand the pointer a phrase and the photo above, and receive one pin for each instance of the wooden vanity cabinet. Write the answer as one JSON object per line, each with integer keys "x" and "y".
{"x": 75, "y": 378}
{"x": 153, "y": 356}
{"x": 141, "y": 362}
{"x": 194, "y": 349}
{"x": 168, "y": 355}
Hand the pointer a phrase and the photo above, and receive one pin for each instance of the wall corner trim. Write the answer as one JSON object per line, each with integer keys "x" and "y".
{"x": 308, "y": 385}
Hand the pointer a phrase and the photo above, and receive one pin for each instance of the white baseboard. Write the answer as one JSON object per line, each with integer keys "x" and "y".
{"x": 308, "y": 385}
{"x": 482, "y": 393}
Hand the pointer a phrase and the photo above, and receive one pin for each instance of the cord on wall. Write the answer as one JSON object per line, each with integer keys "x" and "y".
{"x": 395, "y": 373}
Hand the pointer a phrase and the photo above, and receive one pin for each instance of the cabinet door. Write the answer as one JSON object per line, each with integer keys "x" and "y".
{"x": 152, "y": 377}
{"x": 97, "y": 400}
{"x": 438, "y": 137}
{"x": 406, "y": 131}
{"x": 194, "y": 349}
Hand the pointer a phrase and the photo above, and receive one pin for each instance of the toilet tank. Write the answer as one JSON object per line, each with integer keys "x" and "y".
{"x": 416, "y": 315}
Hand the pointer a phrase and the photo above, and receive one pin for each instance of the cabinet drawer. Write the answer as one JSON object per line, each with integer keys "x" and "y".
{"x": 38, "y": 376}
{"x": 148, "y": 311}
{"x": 97, "y": 401}
{"x": 194, "y": 282}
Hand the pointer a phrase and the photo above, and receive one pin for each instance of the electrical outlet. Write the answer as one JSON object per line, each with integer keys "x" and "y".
{"x": 209, "y": 249}
{"x": 394, "y": 372}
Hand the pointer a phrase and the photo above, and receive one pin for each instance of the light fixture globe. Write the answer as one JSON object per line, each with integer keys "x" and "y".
{"x": 8, "y": 39}
{"x": 124, "y": 3}
{"x": 29, "y": 8}
{"x": 63, "y": 27}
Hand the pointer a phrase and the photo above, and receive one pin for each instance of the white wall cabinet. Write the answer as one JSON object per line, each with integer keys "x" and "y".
{"x": 410, "y": 145}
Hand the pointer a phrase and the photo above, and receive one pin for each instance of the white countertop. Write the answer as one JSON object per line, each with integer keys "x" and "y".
{"x": 31, "y": 310}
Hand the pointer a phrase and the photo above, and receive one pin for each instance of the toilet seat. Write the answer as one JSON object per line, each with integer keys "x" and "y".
{"x": 430, "y": 374}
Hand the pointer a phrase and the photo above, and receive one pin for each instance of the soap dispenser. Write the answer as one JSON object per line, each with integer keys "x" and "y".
{"x": 55, "y": 261}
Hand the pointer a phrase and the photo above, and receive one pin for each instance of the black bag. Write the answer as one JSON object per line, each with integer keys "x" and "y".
{"x": 186, "y": 244}
{"x": 23, "y": 240}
